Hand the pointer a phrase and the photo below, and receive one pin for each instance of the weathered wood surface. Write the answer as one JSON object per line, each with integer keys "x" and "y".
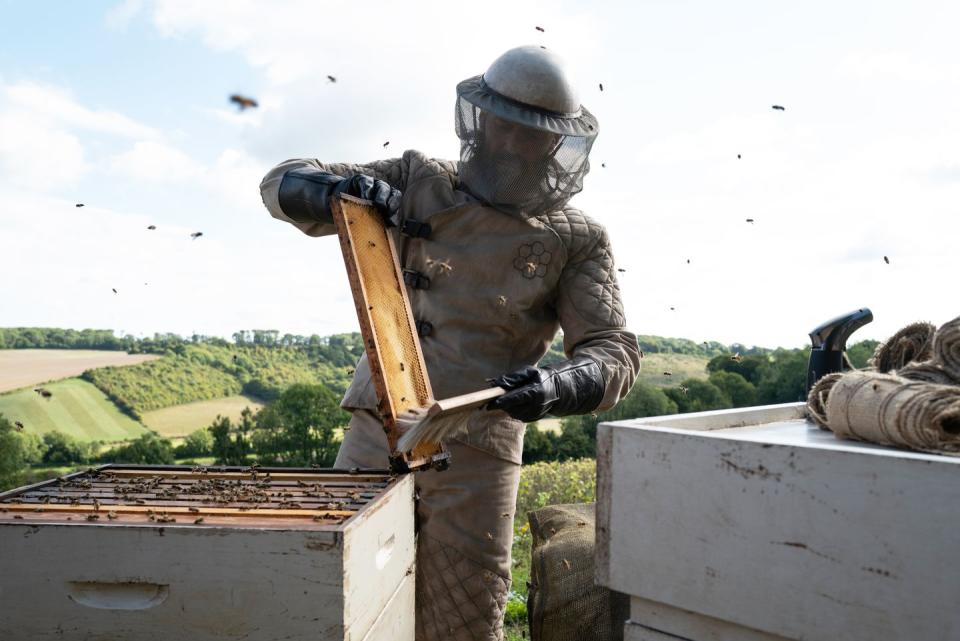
{"x": 684, "y": 624}
{"x": 159, "y": 582}
{"x": 780, "y": 527}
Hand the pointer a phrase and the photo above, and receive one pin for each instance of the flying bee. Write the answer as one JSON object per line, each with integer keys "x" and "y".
{"x": 331, "y": 78}
{"x": 684, "y": 389}
{"x": 505, "y": 515}
{"x": 18, "y": 425}
{"x": 243, "y": 102}
{"x": 566, "y": 564}
{"x": 736, "y": 358}
{"x": 111, "y": 515}
{"x": 489, "y": 536}
{"x": 668, "y": 373}
{"x": 93, "y": 517}
{"x": 194, "y": 509}
{"x": 198, "y": 520}
{"x": 501, "y": 301}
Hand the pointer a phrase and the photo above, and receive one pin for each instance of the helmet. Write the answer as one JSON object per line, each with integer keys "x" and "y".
{"x": 524, "y": 136}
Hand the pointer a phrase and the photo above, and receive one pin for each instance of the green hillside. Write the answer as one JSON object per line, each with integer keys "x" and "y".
{"x": 180, "y": 420}
{"x": 76, "y": 408}
{"x": 206, "y": 371}
{"x": 654, "y": 368}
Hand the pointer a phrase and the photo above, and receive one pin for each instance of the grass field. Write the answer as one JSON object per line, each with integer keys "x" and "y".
{"x": 180, "y": 420}
{"x": 26, "y": 367}
{"x": 680, "y": 366}
{"x": 76, "y": 408}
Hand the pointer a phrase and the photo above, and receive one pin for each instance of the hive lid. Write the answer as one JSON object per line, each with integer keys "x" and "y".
{"x": 170, "y": 495}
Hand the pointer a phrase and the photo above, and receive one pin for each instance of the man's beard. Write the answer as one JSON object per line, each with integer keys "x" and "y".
{"x": 508, "y": 181}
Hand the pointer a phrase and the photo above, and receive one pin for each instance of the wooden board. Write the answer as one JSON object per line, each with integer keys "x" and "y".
{"x": 154, "y": 582}
{"x": 383, "y": 309}
{"x": 759, "y": 519}
{"x": 649, "y": 618}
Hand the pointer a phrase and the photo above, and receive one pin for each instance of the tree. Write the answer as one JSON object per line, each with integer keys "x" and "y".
{"x": 62, "y": 449}
{"x": 860, "y": 353}
{"x": 149, "y": 449}
{"x": 197, "y": 443}
{"x": 227, "y": 450}
{"x": 738, "y": 389}
{"x": 17, "y": 452}
{"x": 643, "y": 400}
{"x": 538, "y": 445}
{"x": 300, "y": 426}
{"x": 786, "y": 379}
{"x": 750, "y": 367}
{"x": 698, "y": 395}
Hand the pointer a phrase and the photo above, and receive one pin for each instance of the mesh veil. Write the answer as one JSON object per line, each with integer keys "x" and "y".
{"x": 520, "y": 159}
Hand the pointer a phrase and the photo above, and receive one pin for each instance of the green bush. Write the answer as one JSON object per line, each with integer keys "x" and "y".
{"x": 552, "y": 483}
{"x": 149, "y": 449}
{"x": 63, "y": 449}
{"x": 197, "y": 443}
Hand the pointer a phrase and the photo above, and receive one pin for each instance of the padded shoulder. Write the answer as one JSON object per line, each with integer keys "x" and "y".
{"x": 579, "y": 233}
{"x": 417, "y": 166}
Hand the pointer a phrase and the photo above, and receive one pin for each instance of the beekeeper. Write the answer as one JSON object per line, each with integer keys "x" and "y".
{"x": 495, "y": 262}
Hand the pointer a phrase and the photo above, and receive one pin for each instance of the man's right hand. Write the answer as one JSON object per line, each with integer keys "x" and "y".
{"x": 306, "y": 193}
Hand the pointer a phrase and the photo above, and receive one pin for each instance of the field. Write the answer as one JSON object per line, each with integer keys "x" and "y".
{"x": 180, "y": 420}
{"x": 77, "y": 408}
{"x": 680, "y": 366}
{"x": 26, "y": 367}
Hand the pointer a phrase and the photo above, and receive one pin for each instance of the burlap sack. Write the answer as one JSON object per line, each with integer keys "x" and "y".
{"x": 563, "y": 603}
{"x": 943, "y": 365}
{"x": 912, "y": 343}
{"x": 890, "y": 410}
{"x": 817, "y": 399}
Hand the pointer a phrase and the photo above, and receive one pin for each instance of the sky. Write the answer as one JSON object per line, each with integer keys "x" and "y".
{"x": 123, "y": 106}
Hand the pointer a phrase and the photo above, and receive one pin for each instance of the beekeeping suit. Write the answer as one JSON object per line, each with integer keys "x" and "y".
{"x": 495, "y": 262}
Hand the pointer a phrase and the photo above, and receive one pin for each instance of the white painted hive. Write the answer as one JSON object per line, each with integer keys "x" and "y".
{"x": 166, "y": 552}
{"x": 755, "y": 525}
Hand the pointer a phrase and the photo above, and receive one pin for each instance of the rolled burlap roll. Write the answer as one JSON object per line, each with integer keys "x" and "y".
{"x": 946, "y": 347}
{"x": 943, "y": 365}
{"x": 912, "y": 343}
{"x": 817, "y": 399}
{"x": 890, "y": 410}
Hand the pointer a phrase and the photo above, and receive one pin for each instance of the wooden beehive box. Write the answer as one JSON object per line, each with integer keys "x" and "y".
{"x": 169, "y": 553}
{"x": 755, "y": 525}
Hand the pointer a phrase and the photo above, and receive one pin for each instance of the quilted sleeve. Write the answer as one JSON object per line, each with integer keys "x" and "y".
{"x": 590, "y": 311}
{"x": 392, "y": 171}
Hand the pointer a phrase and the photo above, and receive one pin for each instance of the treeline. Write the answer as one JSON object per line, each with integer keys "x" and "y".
{"x": 733, "y": 380}
{"x": 338, "y": 349}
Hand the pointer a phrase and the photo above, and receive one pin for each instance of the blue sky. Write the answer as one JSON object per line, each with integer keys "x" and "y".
{"x": 123, "y": 106}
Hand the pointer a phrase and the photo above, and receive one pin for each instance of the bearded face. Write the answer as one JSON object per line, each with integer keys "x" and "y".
{"x": 512, "y": 164}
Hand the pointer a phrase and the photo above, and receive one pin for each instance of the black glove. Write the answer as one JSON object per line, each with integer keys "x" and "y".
{"x": 305, "y": 195}
{"x": 571, "y": 387}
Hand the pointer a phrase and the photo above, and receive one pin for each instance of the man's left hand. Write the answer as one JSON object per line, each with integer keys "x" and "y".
{"x": 571, "y": 387}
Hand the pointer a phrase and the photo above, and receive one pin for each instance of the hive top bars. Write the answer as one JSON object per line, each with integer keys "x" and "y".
{"x": 238, "y": 497}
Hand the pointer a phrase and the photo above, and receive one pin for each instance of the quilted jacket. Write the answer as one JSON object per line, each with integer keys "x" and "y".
{"x": 491, "y": 290}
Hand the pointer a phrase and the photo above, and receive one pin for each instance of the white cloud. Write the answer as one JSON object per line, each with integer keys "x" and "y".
{"x": 56, "y": 105}
{"x": 36, "y": 156}
{"x": 154, "y": 161}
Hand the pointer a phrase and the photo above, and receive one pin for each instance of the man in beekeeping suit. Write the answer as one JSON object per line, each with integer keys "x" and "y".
{"x": 495, "y": 262}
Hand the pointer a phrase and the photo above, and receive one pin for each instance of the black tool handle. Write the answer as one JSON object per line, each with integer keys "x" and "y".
{"x": 829, "y": 342}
